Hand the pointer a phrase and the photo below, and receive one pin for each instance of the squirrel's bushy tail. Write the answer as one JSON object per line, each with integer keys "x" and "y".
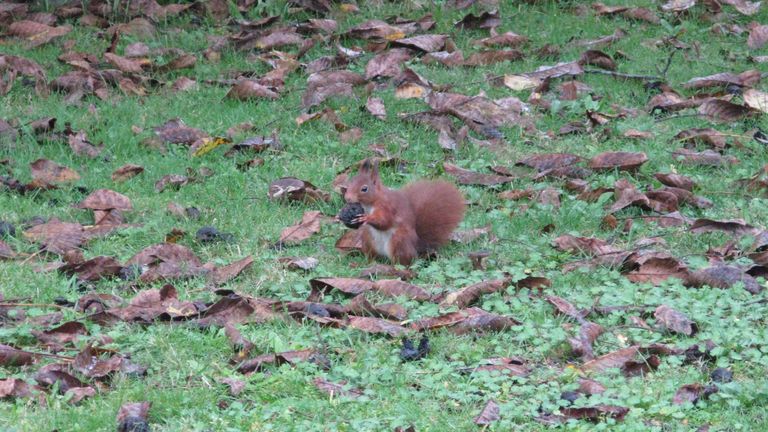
{"x": 439, "y": 207}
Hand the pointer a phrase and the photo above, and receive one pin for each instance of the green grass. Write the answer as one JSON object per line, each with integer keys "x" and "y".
{"x": 187, "y": 364}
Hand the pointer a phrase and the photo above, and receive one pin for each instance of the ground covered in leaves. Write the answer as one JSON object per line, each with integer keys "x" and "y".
{"x": 170, "y": 176}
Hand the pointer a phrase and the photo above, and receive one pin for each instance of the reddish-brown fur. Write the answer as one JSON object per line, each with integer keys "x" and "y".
{"x": 402, "y": 224}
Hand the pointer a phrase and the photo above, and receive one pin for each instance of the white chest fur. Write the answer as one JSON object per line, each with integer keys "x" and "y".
{"x": 381, "y": 239}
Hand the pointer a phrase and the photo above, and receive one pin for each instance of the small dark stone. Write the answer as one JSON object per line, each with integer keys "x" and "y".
{"x": 317, "y": 310}
{"x": 33, "y": 221}
{"x": 192, "y": 212}
{"x": 62, "y": 301}
{"x": 722, "y": 375}
{"x": 570, "y": 396}
{"x": 761, "y": 137}
{"x": 209, "y": 234}
{"x": 349, "y": 212}
{"x": 409, "y": 353}
{"x": 133, "y": 424}
{"x": 130, "y": 272}
{"x": 7, "y": 229}
{"x": 733, "y": 89}
{"x": 320, "y": 360}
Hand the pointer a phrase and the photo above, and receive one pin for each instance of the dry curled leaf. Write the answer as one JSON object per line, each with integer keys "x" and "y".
{"x": 675, "y": 321}
{"x": 251, "y": 89}
{"x": 308, "y": 226}
{"x": 623, "y": 161}
{"x": 105, "y": 199}
{"x": 335, "y": 390}
{"x": 467, "y": 177}
{"x": 126, "y": 172}
{"x": 376, "y": 325}
{"x": 489, "y": 414}
{"x": 293, "y": 189}
{"x": 46, "y": 172}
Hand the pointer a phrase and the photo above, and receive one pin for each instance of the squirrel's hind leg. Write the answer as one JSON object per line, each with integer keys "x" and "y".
{"x": 403, "y": 248}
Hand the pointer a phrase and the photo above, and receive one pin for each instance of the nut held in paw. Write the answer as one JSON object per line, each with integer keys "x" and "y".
{"x": 349, "y": 212}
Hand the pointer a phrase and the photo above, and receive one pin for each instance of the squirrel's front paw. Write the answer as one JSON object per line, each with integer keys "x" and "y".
{"x": 360, "y": 219}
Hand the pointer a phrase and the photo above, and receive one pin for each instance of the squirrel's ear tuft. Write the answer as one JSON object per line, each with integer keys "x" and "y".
{"x": 375, "y": 170}
{"x": 365, "y": 165}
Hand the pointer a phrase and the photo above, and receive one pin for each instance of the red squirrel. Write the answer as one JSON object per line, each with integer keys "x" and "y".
{"x": 403, "y": 224}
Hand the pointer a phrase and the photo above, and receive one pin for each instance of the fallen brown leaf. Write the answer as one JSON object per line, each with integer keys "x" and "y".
{"x": 489, "y": 414}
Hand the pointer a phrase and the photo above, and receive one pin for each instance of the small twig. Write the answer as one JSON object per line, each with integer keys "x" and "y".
{"x": 608, "y": 309}
{"x": 39, "y": 354}
{"x": 669, "y": 63}
{"x": 31, "y": 256}
{"x": 43, "y": 305}
{"x": 679, "y": 116}
{"x": 624, "y": 75}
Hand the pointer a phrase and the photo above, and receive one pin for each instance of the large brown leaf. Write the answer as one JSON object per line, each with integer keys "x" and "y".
{"x": 79, "y": 144}
{"x": 744, "y": 79}
{"x": 582, "y": 343}
{"x": 10, "y": 357}
{"x": 293, "y": 189}
{"x": 426, "y": 43}
{"x": 654, "y": 268}
{"x": 467, "y": 177}
{"x": 306, "y": 228}
{"x": 88, "y": 363}
{"x": 376, "y": 325}
{"x": 14, "y": 388}
{"x": 468, "y": 295}
{"x": 721, "y": 110}
{"x": 105, "y": 199}
{"x": 709, "y": 136}
{"x": 487, "y": 19}
{"x": 565, "y": 307}
{"x": 758, "y": 36}
{"x": 705, "y": 158}
{"x": 623, "y": 161}
{"x": 756, "y": 99}
{"x": 489, "y": 57}
{"x": 615, "y": 359}
{"x": 489, "y": 414}
{"x": 126, "y": 172}
{"x": 732, "y": 226}
{"x": 693, "y": 393}
{"x": 36, "y": 34}
{"x": 375, "y": 106}
{"x": 322, "y": 85}
{"x": 508, "y": 39}
{"x": 396, "y": 287}
{"x": 387, "y": 64}
{"x": 675, "y": 321}
{"x": 626, "y": 195}
{"x": 93, "y": 269}
{"x": 230, "y": 271}
{"x": 251, "y": 89}
{"x": 56, "y": 236}
{"x": 723, "y": 276}
{"x": 5, "y": 251}
{"x": 466, "y": 320}
{"x": 46, "y": 172}
{"x": 376, "y": 29}
{"x": 175, "y": 131}
{"x": 675, "y": 180}
{"x": 349, "y": 286}
{"x": 124, "y": 64}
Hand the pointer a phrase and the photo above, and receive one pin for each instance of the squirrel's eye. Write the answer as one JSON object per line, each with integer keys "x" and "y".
{"x": 364, "y": 189}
